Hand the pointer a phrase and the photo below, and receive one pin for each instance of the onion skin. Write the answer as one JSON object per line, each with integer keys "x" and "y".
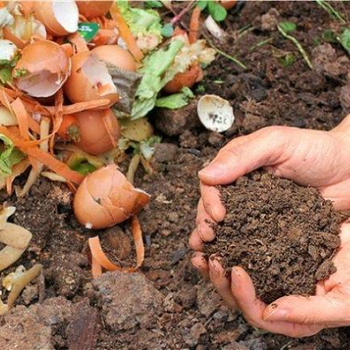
{"x": 116, "y": 56}
{"x": 186, "y": 79}
{"x": 91, "y": 9}
{"x": 78, "y": 88}
{"x": 228, "y": 4}
{"x": 99, "y": 131}
{"x": 106, "y": 198}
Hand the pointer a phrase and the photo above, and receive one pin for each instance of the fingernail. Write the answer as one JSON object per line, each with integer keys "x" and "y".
{"x": 235, "y": 277}
{"x": 212, "y": 170}
{"x": 276, "y": 314}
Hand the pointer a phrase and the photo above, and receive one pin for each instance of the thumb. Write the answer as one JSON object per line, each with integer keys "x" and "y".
{"x": 322, "y": 310}
{"x": 240, "y": 158}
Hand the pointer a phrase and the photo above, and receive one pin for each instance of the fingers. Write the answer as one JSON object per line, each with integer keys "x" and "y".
{"x": 195, "y": 242}
{"x": 200, "y": 263}
{"x": 253, "y": 309}
{"x": 263, "y": 148}
{"x": 221, "y": 282}
{"x": 203, "y": 222}
{"x": 212, "y": 202}
{"x": 328, "y": 310}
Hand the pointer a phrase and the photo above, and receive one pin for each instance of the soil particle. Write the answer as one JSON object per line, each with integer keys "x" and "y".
{"x": 36, "y": 327}
{"x": 235, "y": 346}
{"x": 83, "y": 328}
{"x": 207, "y": 300}
{"x": 344, "y": 97}
{"x": 281, "y": 233}
{"x": 175, "y": 122}
{"x": 269, "y": 20}
{"x": 165, "y": 152}
{"x": 127, "y": 300}
{"x": 30, "y": 293}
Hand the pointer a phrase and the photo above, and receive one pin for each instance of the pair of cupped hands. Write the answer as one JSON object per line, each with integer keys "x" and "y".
{"x": 312, "y": 158}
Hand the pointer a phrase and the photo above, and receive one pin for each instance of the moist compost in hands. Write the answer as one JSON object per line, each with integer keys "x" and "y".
{"x": 282, "y": 234}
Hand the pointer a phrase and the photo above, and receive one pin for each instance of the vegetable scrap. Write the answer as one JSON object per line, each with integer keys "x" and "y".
{"x": 77, "y": 82}
{"x": 16, "y": 240}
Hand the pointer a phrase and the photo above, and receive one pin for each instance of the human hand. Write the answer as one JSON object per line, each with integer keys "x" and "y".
{"x": 309, "y": 157}
{"x": 294, "y": 316}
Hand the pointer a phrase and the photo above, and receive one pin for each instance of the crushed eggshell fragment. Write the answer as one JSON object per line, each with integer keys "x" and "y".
{"x": 8, "y": 50}
{"x": 215, "y": 113}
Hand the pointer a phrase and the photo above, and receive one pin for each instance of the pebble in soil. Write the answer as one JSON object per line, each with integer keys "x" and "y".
{"x": 282, "y": 234}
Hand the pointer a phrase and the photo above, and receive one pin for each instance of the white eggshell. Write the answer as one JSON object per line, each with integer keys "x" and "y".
{"x": 215, "y": 113}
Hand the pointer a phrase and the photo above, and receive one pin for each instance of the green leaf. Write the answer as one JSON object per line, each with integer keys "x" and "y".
{"x": 217, "y": 11}
{"x": 175, "y": 101}
{"x": 344, "y": 39}
{"x": 287, "y": 60}
{"x": 153, "y": 4}
{"x": 84, "y": 168}
{"x": 329, "y": 36}
{"x": 288, "y": 27}
{"x": 21, "y": 72}
{"x": 154, "y": 67}
{"x": 202, "y": 4}
{"x": 167, "y": 30}
{"x": 9, "y": 156}
{"x": 5, "y": 75}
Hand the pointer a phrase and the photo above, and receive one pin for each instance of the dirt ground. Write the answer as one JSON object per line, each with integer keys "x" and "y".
{"x": 167, "y": 305}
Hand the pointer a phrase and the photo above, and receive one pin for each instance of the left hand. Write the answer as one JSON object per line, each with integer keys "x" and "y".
{"x": 294, "y": 316}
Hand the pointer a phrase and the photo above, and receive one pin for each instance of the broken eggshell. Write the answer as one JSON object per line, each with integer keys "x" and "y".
{"x": 42, "y": 69}
{"x": 106, "y": 198}
{"x": 8, "y": 50}
{"x": 91, "y": 9}
{"x": 89, "y": 80}
{"x": 59, "y": 17}
{"x": 215, "y": 113}
{"x": 98, "y": 131}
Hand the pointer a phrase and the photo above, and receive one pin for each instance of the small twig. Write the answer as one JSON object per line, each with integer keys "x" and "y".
{"x": 182, "y": 13}
{"x": 297, "y": 44}
{"x": 261, "y": 43}
{"x": 331, "y": 10}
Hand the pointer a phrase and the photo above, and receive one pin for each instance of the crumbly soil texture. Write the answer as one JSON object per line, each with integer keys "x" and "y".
{"x": 282, "y": 234}
{"x": 167, "y": 305}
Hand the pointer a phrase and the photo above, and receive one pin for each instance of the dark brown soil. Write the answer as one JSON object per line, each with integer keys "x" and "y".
{"x": 282, "y": 234}
{"x": 192, "y": 315}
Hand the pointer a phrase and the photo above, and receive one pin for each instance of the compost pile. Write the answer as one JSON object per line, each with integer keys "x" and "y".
{"x": 283, "y": 234}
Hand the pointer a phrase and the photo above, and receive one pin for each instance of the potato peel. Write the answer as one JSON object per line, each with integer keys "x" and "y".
{"x": 15, "y": 236}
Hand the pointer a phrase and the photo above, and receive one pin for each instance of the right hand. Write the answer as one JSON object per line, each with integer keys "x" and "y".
{"x": 311, "y": 158}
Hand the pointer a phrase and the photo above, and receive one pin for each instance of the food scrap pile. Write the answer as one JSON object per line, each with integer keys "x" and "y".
{"x": 282, "y": 234}
{"x": 77, "y": 81}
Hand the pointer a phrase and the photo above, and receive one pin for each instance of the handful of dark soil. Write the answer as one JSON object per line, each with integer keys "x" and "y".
{"x": 282, "y": 234}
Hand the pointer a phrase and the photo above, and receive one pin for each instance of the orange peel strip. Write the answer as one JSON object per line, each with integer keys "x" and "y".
{"x": 125, "y": 33}
{"x": 47, "y": 159}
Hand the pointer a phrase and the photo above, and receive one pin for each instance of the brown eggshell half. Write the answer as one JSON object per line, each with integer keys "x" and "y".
{"x": 89, "y": 80}
{"x": 109, "y": 188}
{"x": 47, "y": 66}
{"x": 91, "y": 9}
{"x": 116, "y": 56}
{"x": 98, "y": 130}
{"x": 59, "y": 17}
